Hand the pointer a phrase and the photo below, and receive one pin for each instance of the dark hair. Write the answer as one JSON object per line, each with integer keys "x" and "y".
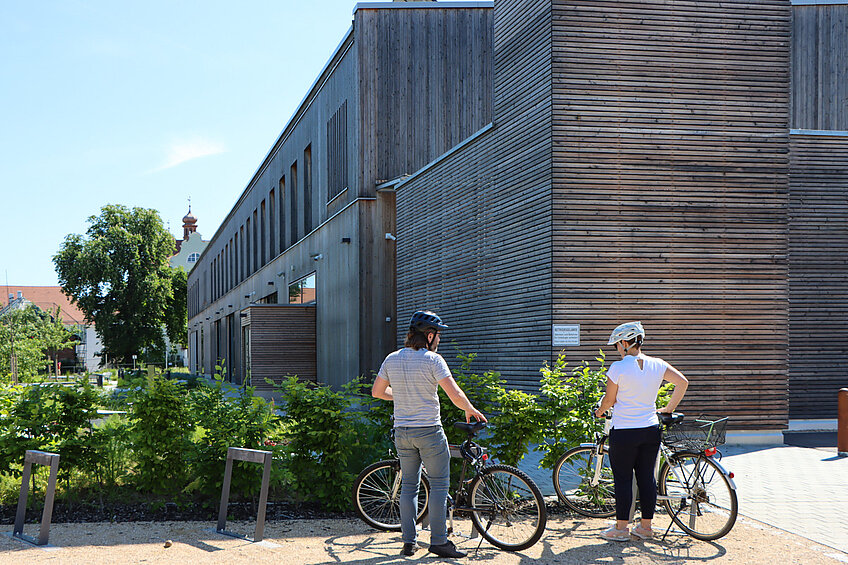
{"x": 629, "y": 343}
{"x": 416, "y": 340}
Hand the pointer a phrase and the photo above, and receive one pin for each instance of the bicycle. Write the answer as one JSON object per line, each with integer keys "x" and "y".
{"x": 697, "y": 492}
{"x": 505, "y": 505}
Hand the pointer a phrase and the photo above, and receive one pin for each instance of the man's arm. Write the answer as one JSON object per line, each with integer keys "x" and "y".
{"x": 381, "y": 389}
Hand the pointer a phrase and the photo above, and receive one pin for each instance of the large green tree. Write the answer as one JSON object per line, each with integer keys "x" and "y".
{"x": 118, "y": 274}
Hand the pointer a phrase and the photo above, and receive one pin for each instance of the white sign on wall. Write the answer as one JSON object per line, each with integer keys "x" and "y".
{"x": 566, "y": 335}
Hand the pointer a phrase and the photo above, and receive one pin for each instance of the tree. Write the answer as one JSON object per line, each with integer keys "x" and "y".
{"x": 34, "y": 337}
{"x": 118, "y": 274}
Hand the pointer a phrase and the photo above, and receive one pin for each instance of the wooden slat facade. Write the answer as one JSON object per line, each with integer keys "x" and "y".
{"x": 820, "y": 67}
{"x": 474, "y": 231}
{"x": 406, "y": 84}
{"x": 818, "y": 274}
{"x": 282, "y": 343}
{"x": 670, "y": 191}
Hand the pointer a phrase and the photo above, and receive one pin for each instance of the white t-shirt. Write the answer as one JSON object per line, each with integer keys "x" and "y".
{"x": 635, "y": 403}
{"x": 414, "y": 376}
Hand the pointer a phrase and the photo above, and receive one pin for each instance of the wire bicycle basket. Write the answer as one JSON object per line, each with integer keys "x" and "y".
{"x": 698, "y": 434}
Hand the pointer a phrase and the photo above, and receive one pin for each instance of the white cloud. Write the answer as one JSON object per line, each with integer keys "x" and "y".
{"x": 185, "y": 150}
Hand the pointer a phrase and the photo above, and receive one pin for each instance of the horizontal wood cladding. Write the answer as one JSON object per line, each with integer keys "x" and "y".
{"x": 670, "y": 191}
{"x": 818, "y": 274}
{"x": 425, "y": 84}
{"x": 820, "y": 67}
{"x": 282, "y": 343}
{"x": 474, "y": 230}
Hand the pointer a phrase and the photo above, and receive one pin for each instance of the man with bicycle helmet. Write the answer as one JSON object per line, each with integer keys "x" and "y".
{"x": 634, "y": 441}
{"x": 410, "y": 377}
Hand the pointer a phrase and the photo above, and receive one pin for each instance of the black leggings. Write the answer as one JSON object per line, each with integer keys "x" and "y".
{"x": 634, "y": 449}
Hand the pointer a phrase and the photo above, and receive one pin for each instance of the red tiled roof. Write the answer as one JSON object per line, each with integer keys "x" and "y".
{"x": 46, "y": 298}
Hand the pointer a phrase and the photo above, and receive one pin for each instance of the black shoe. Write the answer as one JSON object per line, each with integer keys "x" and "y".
{"x": 409, "y": 549}
{"x": 447, "y": 549}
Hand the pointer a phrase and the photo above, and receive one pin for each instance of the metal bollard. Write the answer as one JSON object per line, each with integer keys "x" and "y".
{"x": 842, "y": 426}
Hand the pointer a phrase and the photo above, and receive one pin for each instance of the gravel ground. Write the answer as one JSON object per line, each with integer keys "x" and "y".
{"x": 566, "y": 541}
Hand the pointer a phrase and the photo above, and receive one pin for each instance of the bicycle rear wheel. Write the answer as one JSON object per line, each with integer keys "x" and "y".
{"x": 703, "y": 502}
{"x": 509, "y": 510}
{"x": 573, "y": 476}
{"x": 376, "y": 495}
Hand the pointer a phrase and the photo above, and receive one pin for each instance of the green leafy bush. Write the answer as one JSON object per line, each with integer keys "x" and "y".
{"x": 567, "y": 402}
{"x": 161, "y": 427}
{"x": 226, "y": 419}
{"x": 515, "y": 426}
{"x": 483, "y": 390}
{"x": 321, "y": 439}
{"x": 49, "y": 417}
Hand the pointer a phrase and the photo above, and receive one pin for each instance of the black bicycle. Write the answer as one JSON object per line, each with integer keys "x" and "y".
{"x": 504, "y": 504}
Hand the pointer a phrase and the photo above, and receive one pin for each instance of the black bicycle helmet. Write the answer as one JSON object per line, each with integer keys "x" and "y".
{"x": 424, "y": 320}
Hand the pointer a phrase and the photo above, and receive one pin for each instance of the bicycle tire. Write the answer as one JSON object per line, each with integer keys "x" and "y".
{"x": 509, "y": 510}
{"x": 706, "y": 505}
{"x": 376, "y": 495}
{"x": 572, "y": 475}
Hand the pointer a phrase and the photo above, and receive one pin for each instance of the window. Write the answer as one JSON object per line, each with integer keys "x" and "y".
{"x": 255, "y": 243}
{"x": 337, "y": 152}
{"x": 193, "y": 257}
{"x": 282, "y": 209}
{"x": 293, "y": 202}
{"x": 303, "y": 291}
{"x": 262, "y": 235}
{"x": 272, "y": 228}
{"x": 307, "y": 189}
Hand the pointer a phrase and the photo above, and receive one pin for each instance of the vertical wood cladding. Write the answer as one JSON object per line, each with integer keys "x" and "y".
{"x": 282, "y": 343}
{"x": 474, "y": 231}
{"x": 818, "y": 274}
{"x": 425, "y": 85}
{"x": 820, "y": 67}
{"x": 337, "y": 170}
{"x": 670, "y": 190}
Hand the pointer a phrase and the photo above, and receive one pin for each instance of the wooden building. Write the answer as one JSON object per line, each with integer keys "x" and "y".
{"x": 299, "y": 278}
{"x": 650, "y": 160}
{"x": 550, "y": 169}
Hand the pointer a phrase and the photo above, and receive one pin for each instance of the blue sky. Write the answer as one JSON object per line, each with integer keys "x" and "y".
{"x": 143, "y": 103}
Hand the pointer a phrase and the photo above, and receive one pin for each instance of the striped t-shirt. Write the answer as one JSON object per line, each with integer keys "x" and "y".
{"x": 414, "y": 376}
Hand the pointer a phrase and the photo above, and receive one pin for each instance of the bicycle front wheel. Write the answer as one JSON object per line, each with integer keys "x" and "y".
{"x": 509, "y": 510}
{"x": 701, "y": 499}
{"x": 577, "y": 486}
{"x": 376, "y": 495}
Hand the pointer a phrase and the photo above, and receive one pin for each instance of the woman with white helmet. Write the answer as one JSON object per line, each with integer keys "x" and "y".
{"x": 634, "y": 441}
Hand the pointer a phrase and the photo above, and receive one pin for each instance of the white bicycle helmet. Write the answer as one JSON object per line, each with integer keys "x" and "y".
{"x": 626, "y": 332}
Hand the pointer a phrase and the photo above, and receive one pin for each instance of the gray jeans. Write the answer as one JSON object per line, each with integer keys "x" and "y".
{"x": 430, "y": 446}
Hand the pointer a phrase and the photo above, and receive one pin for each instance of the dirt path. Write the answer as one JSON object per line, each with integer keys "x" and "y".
{"x": 298, "y": 542}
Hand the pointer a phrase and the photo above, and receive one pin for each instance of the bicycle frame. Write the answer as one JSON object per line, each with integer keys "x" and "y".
{"x": 666, "y": 454}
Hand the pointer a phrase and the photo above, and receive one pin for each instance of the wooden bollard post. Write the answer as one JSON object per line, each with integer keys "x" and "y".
{"x": 842, "y": 425}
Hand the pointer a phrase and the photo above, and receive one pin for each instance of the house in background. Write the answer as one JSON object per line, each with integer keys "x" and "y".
{"x": 190, "y": 247}
{"x": 86, "y": 355}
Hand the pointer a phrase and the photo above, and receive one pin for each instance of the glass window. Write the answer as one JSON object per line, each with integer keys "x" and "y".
{"x": 193, "y": 257}
{"x": 303, "y": 291}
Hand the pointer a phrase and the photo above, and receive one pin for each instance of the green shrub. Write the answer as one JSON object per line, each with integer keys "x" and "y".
{"x": 483, "y": 391}
{"x": 516, "y": 425}
{"x": 49, "y": 417}
{"x": 224, "y": 421}
{"x": 567, "y": 402}
{"x": 161, "y": 427}
{"x": 321, "y": 440}
{"x": 111, "y": 443}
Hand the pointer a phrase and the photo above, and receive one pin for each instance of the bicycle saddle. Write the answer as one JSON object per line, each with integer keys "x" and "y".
{"x": 470, "y": 429}
{"x": 669, "y": 419}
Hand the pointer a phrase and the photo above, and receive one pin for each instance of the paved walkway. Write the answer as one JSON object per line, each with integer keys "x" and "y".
{"x": 798, "y": 489}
